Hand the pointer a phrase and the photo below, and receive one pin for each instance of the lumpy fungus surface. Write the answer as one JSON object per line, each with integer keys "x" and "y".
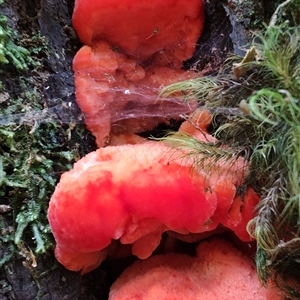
{"x": 134, "y": 193}
{"x": 132, "y": 49}
{"x": 141, "y": 28}
{"x": 219, "y": 271}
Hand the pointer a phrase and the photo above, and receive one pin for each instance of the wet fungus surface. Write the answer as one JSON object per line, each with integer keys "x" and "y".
{"x": 131, "y": 51}
{"x": 135, "y": 193}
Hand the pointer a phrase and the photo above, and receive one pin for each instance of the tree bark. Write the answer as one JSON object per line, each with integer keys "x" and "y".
{"x": 226, "y": 31}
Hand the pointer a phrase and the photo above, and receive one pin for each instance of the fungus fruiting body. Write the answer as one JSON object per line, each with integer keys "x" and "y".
{"x": 112, "y": 89}
{"x": 141, "y": 29}
{"x": 134, "y": 193}
{"x": 219, "y": 271}
{"x": 132, "y": 49}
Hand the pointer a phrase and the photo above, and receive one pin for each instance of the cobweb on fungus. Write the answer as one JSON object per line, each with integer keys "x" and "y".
{"x": 67, "y": 110}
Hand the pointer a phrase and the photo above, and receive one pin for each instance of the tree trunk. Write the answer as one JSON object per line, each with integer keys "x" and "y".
{"x": 49, "y": 22}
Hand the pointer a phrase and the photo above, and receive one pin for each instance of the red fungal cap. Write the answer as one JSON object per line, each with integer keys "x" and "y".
{"x": 141, "y": 28}
{"x": 135, "y": 193}
{"x": 127, "y": 192}
{"x": 219, "y": 271}
{"x": 132, "y": 49}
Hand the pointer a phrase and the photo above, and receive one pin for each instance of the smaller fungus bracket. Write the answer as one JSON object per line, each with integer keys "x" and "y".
{"x": 131, "y": 51}
{"x": 141, "y": 29}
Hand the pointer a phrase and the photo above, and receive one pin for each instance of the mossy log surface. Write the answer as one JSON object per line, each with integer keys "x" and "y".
{"x": 44, "y": 28}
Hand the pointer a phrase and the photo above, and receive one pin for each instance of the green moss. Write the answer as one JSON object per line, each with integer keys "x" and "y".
{"x": 10, "y": 52}
{"x": 35, "y": 149}
{"x": 250, "y": 13}
{"x": 264, "y": 130}
{"x": 31, "y": 159}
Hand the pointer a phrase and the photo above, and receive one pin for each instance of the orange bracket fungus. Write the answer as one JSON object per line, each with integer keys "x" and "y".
{"x": 219, "y": 271}
{"x": 134, "y": 193}
{"x": 132, "y": 49}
